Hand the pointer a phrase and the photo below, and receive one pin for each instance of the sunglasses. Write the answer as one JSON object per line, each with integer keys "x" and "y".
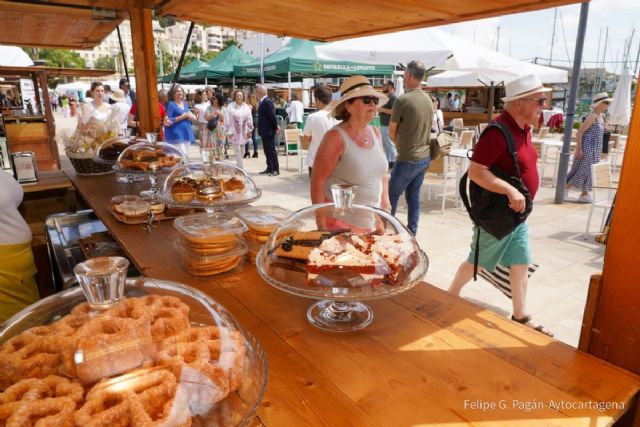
{"x": 367, "y": 100}
{"x": 540, "y": 101}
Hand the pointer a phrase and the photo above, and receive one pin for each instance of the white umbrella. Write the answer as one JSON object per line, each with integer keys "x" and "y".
{"x": 620, "y": 108}
{"x": 487, "y": 78}
{"x": 435, "y": 48}
{"x": 12, "y": 56}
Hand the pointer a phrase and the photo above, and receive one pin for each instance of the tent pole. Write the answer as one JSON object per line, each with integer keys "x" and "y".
{"x": 492, "y": 95}
{"x": 124, "y": 58}
{"x": 205, "y": 81}
{"x": 289, "y": 80}
{"x": 233, "y": 82}
{"x": 571, "y": 110}
{"x": 176, "y": 76}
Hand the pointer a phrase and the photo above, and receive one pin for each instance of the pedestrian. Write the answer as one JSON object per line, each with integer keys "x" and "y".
{"x": 523, "y": 104}
{"x": 268, "y": 129}
{"x": 217, "y": 137}
{"x": 410, "y": 129}
{"x": 201, "y": 105}
{"x": 177, "y": 129}
{"x": 437, "y": 122}
{"x": 253, "y": 103}
{"x": 120, "y": 110}
{"x": 588, "y": 148}
{"x": 295, "y": 111}
{"x": 352, "y": 152}
{"x": 238, "y": 125}
{"x": 390, "y": 151}
{"x": 318, "y": 124}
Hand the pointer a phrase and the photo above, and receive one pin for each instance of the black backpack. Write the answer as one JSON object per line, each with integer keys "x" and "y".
{"x": 490, "y": 211}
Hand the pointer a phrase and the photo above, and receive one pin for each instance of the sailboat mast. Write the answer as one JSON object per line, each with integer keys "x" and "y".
{"x": 553, "y": 35}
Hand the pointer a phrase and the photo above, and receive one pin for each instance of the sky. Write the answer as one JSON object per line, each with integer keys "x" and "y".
{"x": 527, "y": 35}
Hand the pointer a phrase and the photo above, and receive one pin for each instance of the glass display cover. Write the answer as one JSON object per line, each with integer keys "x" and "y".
{"x": 140, "y": 352}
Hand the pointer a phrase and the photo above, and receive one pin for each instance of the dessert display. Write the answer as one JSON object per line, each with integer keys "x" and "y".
{"x": 210, "y": 243}
{"x": 261, "y": 221}
{"x": 133, "y": 209}
{"x": 98, "y": 245}
{"x": 116, "y": 201}
{"x": 146, "y": 158}
{"x": 163, "y": 355}
{"x": 110, "y": 150}
{"x": 211, "y": 185}
{"x": 341, "y": 254}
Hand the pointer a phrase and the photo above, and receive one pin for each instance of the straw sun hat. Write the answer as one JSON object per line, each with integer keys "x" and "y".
{"x": 601, "y": 97}
{"x": 118, "y": 95}
{"x": 522, "y": 87}
{"x": 355, "y": 87}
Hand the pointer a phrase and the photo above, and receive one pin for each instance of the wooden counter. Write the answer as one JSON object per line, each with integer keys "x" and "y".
{"x": 428, "y": 358}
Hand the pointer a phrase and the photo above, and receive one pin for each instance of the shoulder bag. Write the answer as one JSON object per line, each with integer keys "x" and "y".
{"x": 440, "y": 145}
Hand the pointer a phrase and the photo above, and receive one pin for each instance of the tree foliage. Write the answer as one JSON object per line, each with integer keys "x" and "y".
{"x": 231, "y": 42}
{"x": 58, "y": 57}
{"x": 105, "y": 63}
{"x": 209, "y": 56}
{"x": 194, "y": 52}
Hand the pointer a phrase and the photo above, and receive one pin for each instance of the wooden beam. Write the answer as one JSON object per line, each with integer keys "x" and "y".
{"x": 615, "y": 334}
{"x": 48, "y": 113}
{"x": 144, "y": 60}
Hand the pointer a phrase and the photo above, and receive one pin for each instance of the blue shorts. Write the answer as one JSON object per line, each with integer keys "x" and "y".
{"x": 512, "y": 249}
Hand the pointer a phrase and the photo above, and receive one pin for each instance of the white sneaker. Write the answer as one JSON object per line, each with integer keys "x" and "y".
{"x": 585, "y": 198}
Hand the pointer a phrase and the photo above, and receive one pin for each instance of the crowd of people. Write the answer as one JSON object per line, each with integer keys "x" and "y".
{"x": 383, "y": 163}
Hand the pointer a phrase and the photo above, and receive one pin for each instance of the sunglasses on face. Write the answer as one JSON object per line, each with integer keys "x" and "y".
{"x": 367, "y": 100}
{"x": 540, "y": 101}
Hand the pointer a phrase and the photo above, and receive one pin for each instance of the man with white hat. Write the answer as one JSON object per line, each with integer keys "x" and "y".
{"x": 524, "y": 101}
{"x": 121, "y": 109}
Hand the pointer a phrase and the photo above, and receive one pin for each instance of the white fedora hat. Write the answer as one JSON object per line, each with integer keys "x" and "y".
{"x": 524, "y": 86}
{"x": 118, "y": 95}
{"x": 355, "y": 87}
{"x": 601, "y": 97}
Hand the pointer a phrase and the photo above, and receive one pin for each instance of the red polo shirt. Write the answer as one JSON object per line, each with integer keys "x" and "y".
{"x": 491, "y": 149}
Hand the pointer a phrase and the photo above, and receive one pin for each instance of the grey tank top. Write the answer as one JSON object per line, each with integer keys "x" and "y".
{"x": 362, "y": 167}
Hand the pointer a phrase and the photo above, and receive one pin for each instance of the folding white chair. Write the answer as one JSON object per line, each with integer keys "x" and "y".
{"x": 466, "y": 138}
{"x": 439, "y": 174}
{"x": 603, "y": 192}
{"x": 292, "y": 145}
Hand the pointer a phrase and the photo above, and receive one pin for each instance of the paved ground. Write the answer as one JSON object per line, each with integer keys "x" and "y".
{"x": 557, "y": 292}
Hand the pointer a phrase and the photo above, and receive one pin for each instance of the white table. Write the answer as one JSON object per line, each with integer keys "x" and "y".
{"x": 461, "y": 156}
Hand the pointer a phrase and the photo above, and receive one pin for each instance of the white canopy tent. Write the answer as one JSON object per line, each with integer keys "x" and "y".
{"x": 620, "y": 108}
{"x": 12, "y": 56}
{"x": 436, "y": 49}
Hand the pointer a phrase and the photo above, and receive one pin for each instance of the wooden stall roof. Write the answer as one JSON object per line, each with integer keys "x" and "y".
{"x": 82, "y": 24}
{"x": 52, "y": 72}
{"x": 329, "y": 20}
{"x": 58, "y": 25}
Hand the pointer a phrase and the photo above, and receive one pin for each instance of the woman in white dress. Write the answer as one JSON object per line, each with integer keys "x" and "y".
{"x": 239, "y": 124}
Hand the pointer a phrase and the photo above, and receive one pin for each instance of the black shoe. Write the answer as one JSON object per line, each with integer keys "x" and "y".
{"x": 226, "y": 156}
{"x": 246, "y": 155}
{"x": 265, "y": 172}
{"x": 276, "y": 173}
{"x": 255, "y": 155}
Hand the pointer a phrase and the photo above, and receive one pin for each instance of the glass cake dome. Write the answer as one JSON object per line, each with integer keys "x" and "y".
{"x": 341, "y": 254}
{"x": 110, "y": 150}
{"x": 115, "y": 350}
{"x": 209, "y": 186}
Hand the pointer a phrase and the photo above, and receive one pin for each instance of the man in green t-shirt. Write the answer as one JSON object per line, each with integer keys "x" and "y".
{"x": 389, "y": 89}
{"x": 410, "y": 130}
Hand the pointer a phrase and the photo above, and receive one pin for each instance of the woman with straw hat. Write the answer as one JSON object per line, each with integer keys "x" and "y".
{"x": 588, "y": 149}
{"x": 352, "y": 152}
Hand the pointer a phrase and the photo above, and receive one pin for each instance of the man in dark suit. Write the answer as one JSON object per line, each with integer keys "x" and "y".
{"x": 268, "y": 129}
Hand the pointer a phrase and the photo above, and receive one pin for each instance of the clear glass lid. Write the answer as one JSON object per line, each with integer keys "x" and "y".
{"x": 206, "y": 185}
{"x": 342, "y": 252}
{"x": 131, "y": 349}
{"x": 145, "y": 157}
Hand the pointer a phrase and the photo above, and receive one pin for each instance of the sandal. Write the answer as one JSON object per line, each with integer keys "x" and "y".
{"x": 526, "y": 320}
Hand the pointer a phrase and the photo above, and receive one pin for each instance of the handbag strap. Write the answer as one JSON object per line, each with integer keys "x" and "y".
{"x": 511, "y": 146}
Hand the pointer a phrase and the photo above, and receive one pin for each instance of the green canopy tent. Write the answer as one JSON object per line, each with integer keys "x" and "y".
{"x": 217, "y": 69}
{"x": 194, "y": 71}
{"x": 298, "y": 59}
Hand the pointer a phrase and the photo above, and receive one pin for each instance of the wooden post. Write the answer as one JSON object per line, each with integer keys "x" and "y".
{"x": 48, "y": 113}
{"x": 615, "y": 331}
{"x": 144, "y": 62}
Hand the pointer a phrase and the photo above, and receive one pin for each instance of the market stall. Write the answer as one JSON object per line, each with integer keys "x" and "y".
{"x": 428, "y": 357}
{"x": 31, "y": 126}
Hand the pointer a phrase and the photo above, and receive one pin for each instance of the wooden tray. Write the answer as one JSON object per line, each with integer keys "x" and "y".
{"x": 142, "y": 220}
